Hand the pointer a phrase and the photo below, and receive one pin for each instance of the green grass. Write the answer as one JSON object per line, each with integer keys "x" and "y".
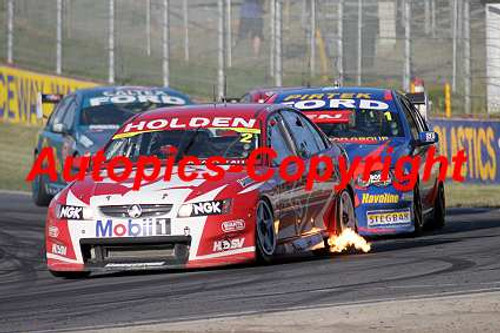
{"x": 472, "y": 195}
{"x": 16, "y": 151}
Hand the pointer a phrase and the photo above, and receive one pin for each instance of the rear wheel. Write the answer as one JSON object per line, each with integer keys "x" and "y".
{"x": 438, "y": 213}
{"x": 39, "y": 192}
{"x": 265, "y": 233}
{"x": 418, "y": 218}
{"x": 70, "y": 275}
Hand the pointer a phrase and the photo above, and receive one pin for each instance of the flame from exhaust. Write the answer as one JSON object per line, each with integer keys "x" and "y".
{"x": 347, "y": 238}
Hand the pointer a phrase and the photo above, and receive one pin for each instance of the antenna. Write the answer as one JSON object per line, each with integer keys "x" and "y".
{"x": 225, "y": 90}
{"x": 214, "y": 97}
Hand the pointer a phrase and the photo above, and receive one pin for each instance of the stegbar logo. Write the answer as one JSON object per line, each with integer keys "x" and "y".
{"x": 225, "y": 245}
{"x": 235, "y": 225}
{"x": 69, "y": 212}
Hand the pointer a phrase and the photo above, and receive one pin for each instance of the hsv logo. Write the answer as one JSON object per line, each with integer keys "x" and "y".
{"x": 59, "y": 249}
{"x": 235, "y": 225}
{"x": 69, "y": 212}
{"x": 225, "y": 245}
{"x": 146, "y": 228}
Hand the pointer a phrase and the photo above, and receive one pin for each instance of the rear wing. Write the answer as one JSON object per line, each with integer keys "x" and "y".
{"x": 46, "y": 99}
{"x": 421, "y": 102}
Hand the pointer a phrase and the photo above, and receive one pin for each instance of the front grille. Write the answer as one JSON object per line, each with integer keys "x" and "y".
{"x": 148, "y": 210}
{"x": 170, "y": 250}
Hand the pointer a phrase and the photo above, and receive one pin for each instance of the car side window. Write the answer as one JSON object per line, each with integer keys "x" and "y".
{"x": 277, "y": 138}
{"x": 411, "y": 121}
{"x": 317, "y": 136}
{"x": 420, "y": 119}
{"x": 305, "y": 142}
{"x": 58, "y": 114}
{"x": 69, "y": 116}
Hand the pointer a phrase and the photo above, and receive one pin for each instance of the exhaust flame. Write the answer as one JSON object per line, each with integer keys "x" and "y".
{"x": 348, "y": 238}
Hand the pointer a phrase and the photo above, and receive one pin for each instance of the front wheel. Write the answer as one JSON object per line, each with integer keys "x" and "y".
{"x": 346, "y": 215}
{"x": 418, "y": 217}
{"x": 438, "y": 214}
{"x": 265, "y": 233}
{"x": 39, "y": 192}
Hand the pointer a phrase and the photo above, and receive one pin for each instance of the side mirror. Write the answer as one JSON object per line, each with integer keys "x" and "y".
{"x": 427, "y": 138}
{"x": 60, "y": 128}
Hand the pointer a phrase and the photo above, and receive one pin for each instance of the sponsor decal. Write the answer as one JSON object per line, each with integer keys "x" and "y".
{"x": 136, "y": 96}
{"x": 384, "y": 198}
{"x": 228, "y": 244}
{"x": 177, "y": 123}
{"x": 318, "y": 104}
{"x": 329, "y": 117}
{"x": 69, "y": 212}
{"x": 59, "y": 249}
{"x": 144, "y": 228}
{"x": 53, "y": 231}
{"x": 215, "y": 207}
{"x": 377, "y": 218}
{"x": 235, "y": 225}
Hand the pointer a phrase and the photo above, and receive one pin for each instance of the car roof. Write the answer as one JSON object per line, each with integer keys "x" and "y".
{"x": 92, "y": 91}
{"x": 376, "y": 93}
{"x": 257, "y": 111}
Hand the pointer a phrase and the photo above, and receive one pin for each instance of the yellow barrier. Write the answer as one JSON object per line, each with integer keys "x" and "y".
{"x": 19, "y": 89}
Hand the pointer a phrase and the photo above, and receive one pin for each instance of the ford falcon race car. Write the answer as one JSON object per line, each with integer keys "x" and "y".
{"x": 371, "y": 122}
{"x": 83, "y": 121}
{"x": 186, "y": 219}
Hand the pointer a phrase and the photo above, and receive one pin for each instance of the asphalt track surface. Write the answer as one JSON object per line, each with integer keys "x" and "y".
{"x": 461, "y": 258}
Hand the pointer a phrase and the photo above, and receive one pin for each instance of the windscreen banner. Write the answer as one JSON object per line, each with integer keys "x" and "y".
{"x": 481, "y": 141}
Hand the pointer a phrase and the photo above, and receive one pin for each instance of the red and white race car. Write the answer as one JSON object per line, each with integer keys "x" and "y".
{"x": 198, "y": 222}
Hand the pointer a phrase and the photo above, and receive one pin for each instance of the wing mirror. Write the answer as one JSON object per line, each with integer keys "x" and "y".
{"x": 427, "y": 138}
{"x": 60, "y": 128}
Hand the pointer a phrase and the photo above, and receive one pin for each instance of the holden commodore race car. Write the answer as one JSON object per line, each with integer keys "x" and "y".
{"x": 371, "y": 122}
{"x": 187, "y": 219}
{"x": 84, "y": 120}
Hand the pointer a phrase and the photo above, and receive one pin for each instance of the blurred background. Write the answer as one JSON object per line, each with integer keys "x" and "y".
{"x": 303, "y": 42}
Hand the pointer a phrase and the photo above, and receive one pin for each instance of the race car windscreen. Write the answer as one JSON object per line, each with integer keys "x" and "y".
{"x": 229, "y": 143}
{"x": 114, "y": 114}
{"x": 364, "y": 123}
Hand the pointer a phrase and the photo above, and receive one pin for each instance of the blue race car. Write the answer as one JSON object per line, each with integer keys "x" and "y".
{"x": 83, "y": 121}
{"x": 377, "y": 122}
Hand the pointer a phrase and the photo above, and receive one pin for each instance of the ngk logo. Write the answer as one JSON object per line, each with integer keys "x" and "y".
{"x": 207, "y": 208}
{"x": 70, "y": 212}
{"x": 224, "y": 245}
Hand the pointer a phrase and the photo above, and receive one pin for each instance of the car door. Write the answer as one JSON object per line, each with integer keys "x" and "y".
{"x": 61, "y": 132}
{"x": 416, "y": 127}
{"x": 309, "y": 203}
{"x": 280, "y": 141}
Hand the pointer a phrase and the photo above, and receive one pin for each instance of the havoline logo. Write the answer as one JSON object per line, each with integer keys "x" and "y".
{"x": 379, "y": 198}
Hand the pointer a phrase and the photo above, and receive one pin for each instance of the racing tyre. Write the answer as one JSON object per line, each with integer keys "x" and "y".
{"x": 438, "y": 214}
{"x": 70, "y": 275}
{"x": 346, "y": 218}
{"x": 265, "y": 233}
{"x": 418, "y": 217}
{"x": 39, "y": 193}
{"x": 346, "y": 214}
